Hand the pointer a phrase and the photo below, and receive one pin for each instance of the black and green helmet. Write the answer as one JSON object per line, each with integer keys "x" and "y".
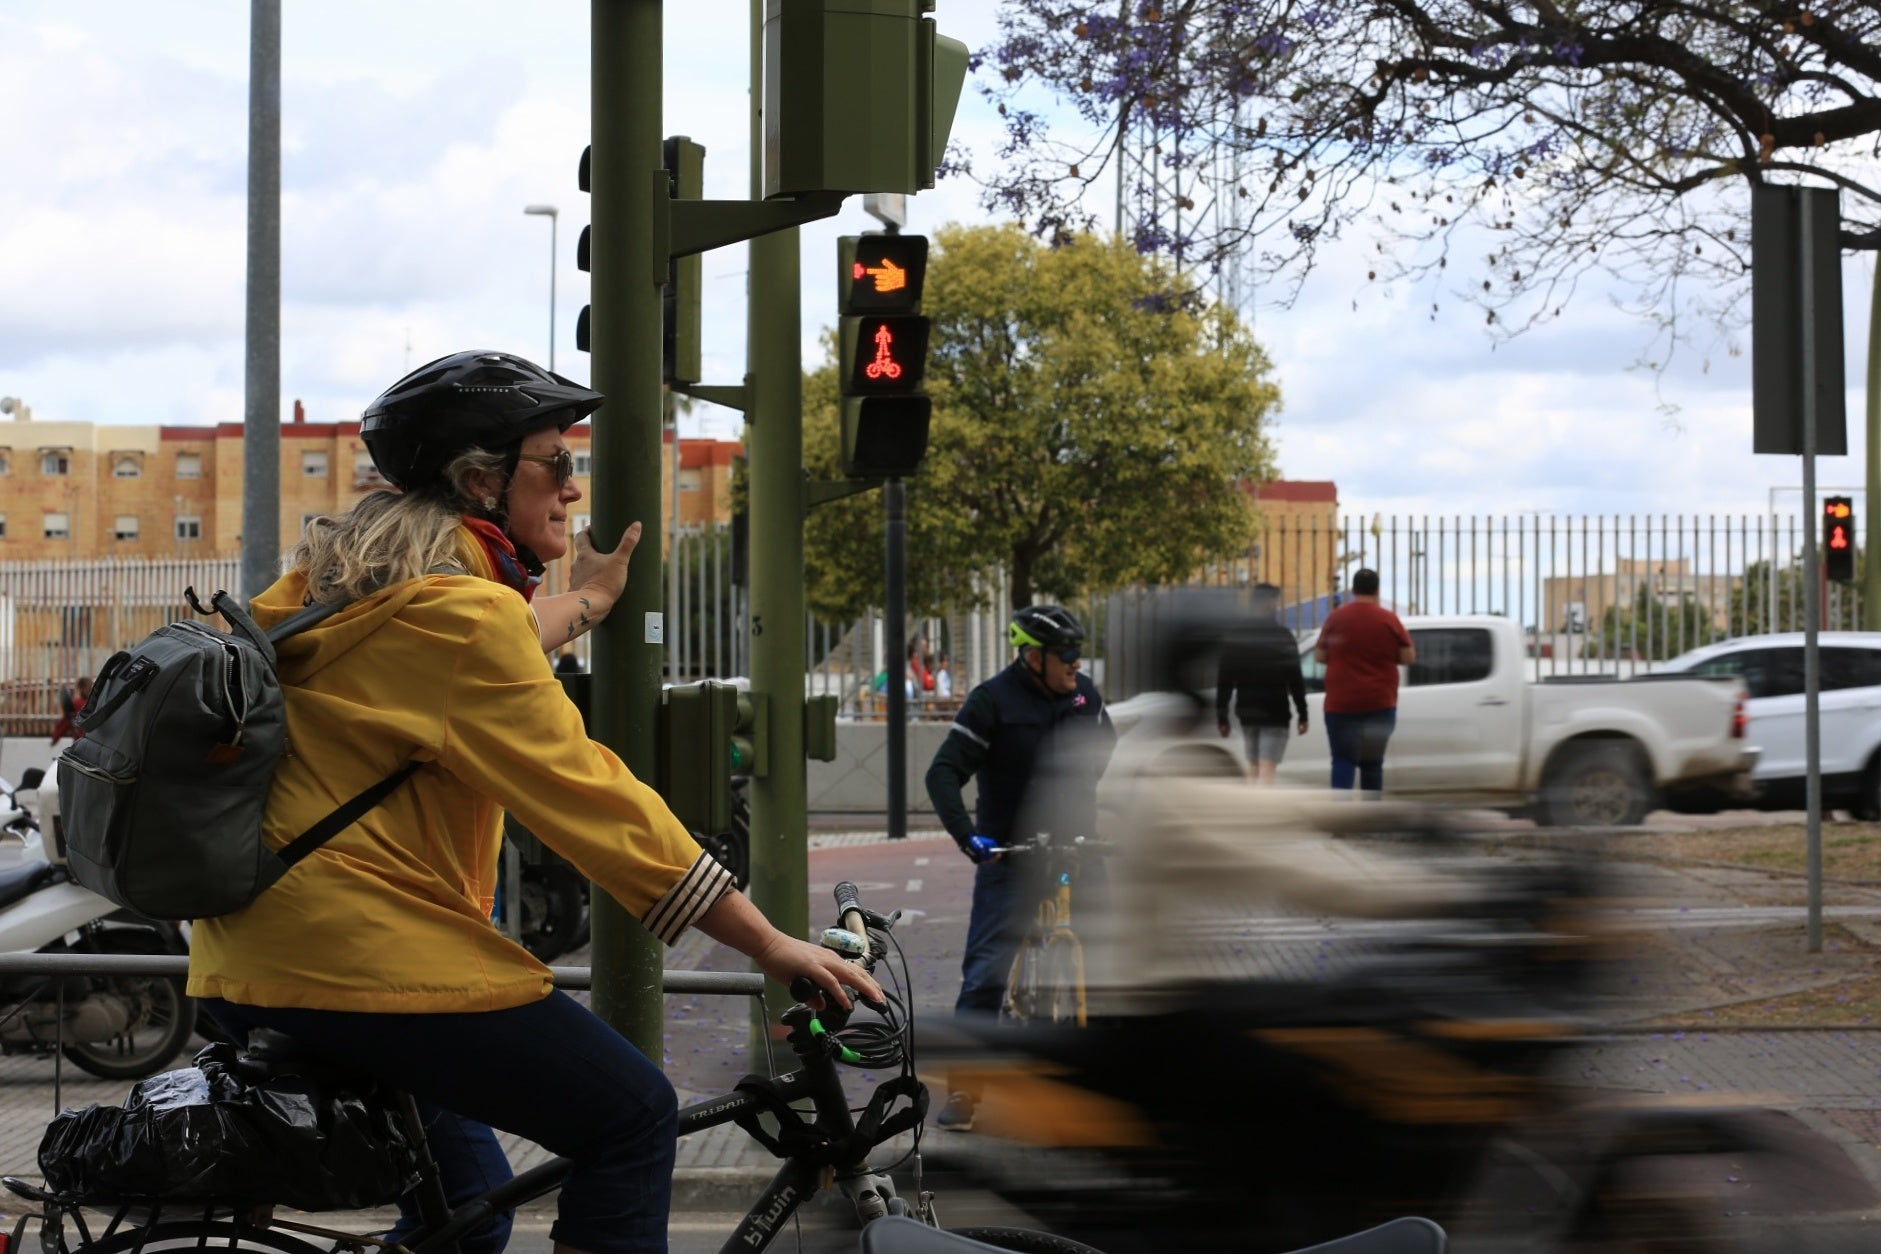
{"x": 1045, "y": 627}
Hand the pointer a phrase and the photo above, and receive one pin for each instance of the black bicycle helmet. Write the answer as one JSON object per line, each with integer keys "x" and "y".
{"x": 1045, "y": 627}
{"x": 476, "y": 399}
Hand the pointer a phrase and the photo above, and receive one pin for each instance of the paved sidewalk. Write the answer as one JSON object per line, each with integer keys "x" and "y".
{"x": 1827, "y": 1081}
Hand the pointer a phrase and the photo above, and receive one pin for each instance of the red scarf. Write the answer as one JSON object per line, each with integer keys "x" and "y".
{"x": 512, "y": 568}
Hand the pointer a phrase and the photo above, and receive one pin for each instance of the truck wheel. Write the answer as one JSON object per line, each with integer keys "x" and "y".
{"x": 1596, "y": 785}
{"x": 1867, "y": 802}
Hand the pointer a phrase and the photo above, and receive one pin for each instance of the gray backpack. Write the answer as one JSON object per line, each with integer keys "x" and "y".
{"x": 162, "y": 798}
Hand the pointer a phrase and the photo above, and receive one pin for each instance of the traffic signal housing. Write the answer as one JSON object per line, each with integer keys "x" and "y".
{"x": 709, "y": 732}
{"x": 583, "y": 260}
{"x": 882, "y": 354}
{"x": 1838, "y": 538}
{"x": 858, "y": 97}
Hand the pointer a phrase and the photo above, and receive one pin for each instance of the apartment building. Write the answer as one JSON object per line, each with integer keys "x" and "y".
{"x": 80, "y": 490}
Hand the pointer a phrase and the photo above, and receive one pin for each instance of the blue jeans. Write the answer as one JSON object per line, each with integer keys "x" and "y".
{"x": 994, "y": 930}
{"x": 550, "y": 1072}
{"x": 1358, "y": 748}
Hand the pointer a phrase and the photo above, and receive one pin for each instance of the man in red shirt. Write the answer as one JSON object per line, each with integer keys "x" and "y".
{"x": 1361, "y": 646}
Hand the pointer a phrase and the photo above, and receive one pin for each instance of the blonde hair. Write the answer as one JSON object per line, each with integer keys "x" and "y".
{"x": 389, "y": 537}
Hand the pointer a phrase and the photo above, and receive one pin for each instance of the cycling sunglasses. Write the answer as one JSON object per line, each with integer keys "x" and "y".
{"x": 561, "y": 464}
{"x": 1067, "y": 656}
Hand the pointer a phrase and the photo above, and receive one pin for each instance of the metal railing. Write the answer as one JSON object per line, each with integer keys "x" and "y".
{"x": 1596, "y": 594}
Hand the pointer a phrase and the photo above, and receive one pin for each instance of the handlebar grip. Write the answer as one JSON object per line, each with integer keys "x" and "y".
{"x": 803, "y": 988}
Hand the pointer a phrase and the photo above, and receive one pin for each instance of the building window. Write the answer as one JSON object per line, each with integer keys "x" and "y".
{"x": 189, "y": 528}
{"x": 58, "y": 527}
{"x": 688, "y": 481}
{"x": 126, "y": 467}
{"x": 578, "y": 523}
{"x": 365, "y": 474}
{"x": 125, "y": 528}
{"x": 584, "y": 463}
{"x": 313, "y": 465}
{"x": 55, "y": 463}
{"x": 6, "y": 461}
{"x": 3, "y": 526}
{"x": 189, "y": 465}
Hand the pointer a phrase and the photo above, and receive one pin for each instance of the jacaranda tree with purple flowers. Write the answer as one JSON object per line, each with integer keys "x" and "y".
{"x": 1579, "y": 135}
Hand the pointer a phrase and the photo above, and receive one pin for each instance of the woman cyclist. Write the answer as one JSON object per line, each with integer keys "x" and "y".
{"x": 377, "y": 952}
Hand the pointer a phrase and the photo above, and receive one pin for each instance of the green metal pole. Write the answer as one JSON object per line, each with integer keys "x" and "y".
{"x": 780, "y": 869}
{"x": 624, "y": 334}
{"x": 1871, "y": 535}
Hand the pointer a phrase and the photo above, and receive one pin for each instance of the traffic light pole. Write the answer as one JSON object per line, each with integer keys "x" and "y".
{"x": 625, "y": 336}
{"x": 895, "y": 632}
{"x": 774, "y": 440}
{"x": 1812, "y": 608}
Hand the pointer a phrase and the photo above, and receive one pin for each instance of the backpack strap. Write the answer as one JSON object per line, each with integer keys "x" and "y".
{"x": 344, "y": 817}
{"x": 294, "y": 624}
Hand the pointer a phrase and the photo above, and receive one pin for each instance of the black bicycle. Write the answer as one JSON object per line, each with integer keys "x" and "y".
{"x": 828, "y": 1142}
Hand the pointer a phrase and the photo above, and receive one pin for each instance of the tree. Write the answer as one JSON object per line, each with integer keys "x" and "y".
{"x": 1092, "y": 427}
{"x": 1654, "y": 629}
{"x": 1756, "y": 611}
{"x": 1581, "y": 135}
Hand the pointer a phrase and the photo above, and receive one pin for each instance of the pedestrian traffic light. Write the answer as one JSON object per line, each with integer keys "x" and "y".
{"x": 1838, "y": 538}
{"x": 882, "y": 357}
{"x": 709, "y": 732}
{"x": 581, "y": 252}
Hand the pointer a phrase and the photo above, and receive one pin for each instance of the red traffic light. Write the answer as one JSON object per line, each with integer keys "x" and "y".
{"x": 888, "y": 354}
{"x": 1838, "y": 537}
{"x": 882, "y": 273}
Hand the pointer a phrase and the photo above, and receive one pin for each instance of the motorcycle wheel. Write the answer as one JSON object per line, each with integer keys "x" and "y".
{"x": 163, "y": 1014}
{"x": 554, "y": 910}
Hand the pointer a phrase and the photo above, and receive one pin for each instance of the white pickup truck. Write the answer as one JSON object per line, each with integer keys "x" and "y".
{"x": 1474, "y": 729}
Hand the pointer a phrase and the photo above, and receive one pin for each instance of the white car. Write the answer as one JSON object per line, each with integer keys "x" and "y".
{"x": 1772, "y": 670}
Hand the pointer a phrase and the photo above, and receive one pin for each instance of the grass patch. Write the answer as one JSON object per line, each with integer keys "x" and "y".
{"x": 1850, "y": 851}
{"x": 1855, "y": 1000}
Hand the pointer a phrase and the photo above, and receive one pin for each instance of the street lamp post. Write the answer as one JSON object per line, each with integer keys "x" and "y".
{"x": 554, "y": 217}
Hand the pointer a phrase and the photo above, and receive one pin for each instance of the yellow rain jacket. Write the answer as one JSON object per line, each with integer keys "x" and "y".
{"x": 393, "y": 914}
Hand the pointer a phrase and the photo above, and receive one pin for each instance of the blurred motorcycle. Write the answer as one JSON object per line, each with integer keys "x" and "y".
{"x": 116, "y": 1027}
{"x": 1419, "y": 1078}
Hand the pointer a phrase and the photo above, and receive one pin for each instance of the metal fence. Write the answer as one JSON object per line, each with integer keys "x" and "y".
{"x": 1596, "y": 594}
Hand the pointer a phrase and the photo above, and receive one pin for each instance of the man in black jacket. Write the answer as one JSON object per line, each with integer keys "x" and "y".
{"x": 1260, "y": 670}
{"x": 1036, "y": 737}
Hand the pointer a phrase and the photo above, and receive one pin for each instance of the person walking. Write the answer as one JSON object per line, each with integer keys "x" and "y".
{"x": 1036, "y": 736}
{"x": 1258, "y": 673}
{"x": 377, "y": 953}
{"x": 1361, "y": 646}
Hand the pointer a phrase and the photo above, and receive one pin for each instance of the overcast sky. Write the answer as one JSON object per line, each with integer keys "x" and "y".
{"x": 415, "y": 131}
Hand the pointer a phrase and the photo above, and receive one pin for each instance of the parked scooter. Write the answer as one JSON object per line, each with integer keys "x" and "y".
{"x": 117, "y": 1027}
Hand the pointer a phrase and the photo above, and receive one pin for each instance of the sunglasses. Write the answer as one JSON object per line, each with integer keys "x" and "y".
{"x": 561, "y": 464}
{"x": 1067, "y": 656}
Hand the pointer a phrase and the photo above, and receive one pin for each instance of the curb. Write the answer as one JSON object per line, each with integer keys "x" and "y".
{"x": 715, "y": 1188}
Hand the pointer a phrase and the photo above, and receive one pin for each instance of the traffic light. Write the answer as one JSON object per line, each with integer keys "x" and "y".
{"x": 581, "y": 252}
{"x": 883, "y": 354}
{"x": 679, "y": 341}
{"x": 710, "y": 731}
{"x": 857, "y": 97}
{"x": 1838, "y": 538}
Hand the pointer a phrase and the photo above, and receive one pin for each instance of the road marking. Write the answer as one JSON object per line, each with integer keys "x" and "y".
{"x": 914, "y": 886}
{"x": 922, "y": 861}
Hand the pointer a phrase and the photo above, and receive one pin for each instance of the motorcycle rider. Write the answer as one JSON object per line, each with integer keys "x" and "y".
{"x": 377, "y": 952}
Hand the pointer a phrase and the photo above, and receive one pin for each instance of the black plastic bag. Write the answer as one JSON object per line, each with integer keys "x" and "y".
{"x": 209, "y": 1131}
